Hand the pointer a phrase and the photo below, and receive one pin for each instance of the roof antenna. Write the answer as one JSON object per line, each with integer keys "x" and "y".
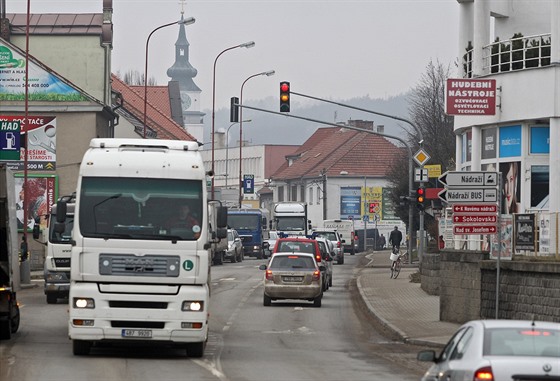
{"x": 182, "y": 2}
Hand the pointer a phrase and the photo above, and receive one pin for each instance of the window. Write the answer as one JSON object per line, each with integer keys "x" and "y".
{"x": 318, "y": 196}
{"x": 311, "y": 196}
{"x": 302, "y": 193}
{"x": 280, "y": 193}
{"x": 294, "y": 193}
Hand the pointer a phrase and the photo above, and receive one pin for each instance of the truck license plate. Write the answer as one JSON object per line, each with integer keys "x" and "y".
{"x": 140, "y": 333}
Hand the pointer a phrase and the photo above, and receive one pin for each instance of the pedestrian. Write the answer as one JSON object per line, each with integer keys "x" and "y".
{"x": 441, "y": 242}
{"x": 395, "y": 239}
{"x": 23, "y": 249}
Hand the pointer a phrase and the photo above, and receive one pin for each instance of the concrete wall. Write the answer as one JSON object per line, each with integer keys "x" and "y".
{"x": 466, "y": 283}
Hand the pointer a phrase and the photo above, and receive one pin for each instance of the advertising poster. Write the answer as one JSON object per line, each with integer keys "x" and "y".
{"x": 41, "y": 141}
{"x": 510, "y": 141}
{"x": 511, "y": 187}
{"x": 540, "y": 140}
{"x": 42, "y": 193}
{"x": 43, "y": 85}
{"x": 544, "y": 233}
{"x": 373, "y": 195}
{"x": 387, "y": 207}
{"x": 350, "y": 203}
{"x": 502, "y": 242}
{"x": 489, "y": 143}
{"x": 524, "y": 232}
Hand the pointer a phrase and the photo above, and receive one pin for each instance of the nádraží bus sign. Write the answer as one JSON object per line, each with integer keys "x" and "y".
{"x": 470, "y": 97}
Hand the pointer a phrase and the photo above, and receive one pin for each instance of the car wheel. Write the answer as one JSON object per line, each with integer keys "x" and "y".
{"x": 330, "y": 281}
{"x": 15, "y": 319}
{"x": 267, "y": 301}
{"x": 317, "y": 301}
{"x": 81, "y": 347}
{"x": 234, "y": 257}
{"x": 196, "y": 349}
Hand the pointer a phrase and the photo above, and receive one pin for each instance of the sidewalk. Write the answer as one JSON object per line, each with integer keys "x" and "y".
{"x": 400, "y": 306}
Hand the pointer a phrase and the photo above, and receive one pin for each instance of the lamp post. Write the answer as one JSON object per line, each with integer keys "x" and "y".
{"x": 188, "y": 21}
{"x": 227, "y": 145}
{"x": 268, "y": 74}
{"x": 247, "y": 45}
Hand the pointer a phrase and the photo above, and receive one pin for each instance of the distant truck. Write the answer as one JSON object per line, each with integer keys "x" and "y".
{"x": 9, "y": 262}
{"x": 347, "y": 232}
{"x": 58, "y": 251}
{"x": 290, "y": 218}
{"x": 252, "y": 227}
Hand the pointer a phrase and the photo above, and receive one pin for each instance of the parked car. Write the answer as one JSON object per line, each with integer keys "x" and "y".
{"x": 498, "y": 350}
{"x": 336, "y": 239}
{"x": 299, "y": 244}
{"x": 292, "y": 276}
{"x": 328, "y": 254}
{"x": 234, "y": 250}
{"x": 273, "y": 236}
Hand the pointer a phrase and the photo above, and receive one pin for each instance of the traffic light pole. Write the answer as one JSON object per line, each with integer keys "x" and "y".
{"x": 410, "y": 165}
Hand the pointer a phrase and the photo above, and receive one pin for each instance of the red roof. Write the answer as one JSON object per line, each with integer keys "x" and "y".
{"x": 157, "y": 120}
{"x": 337, "y": 149}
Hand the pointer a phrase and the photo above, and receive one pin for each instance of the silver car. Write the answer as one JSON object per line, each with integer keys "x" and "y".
{"x": 517, "y": 350}
{"x": 328, "y": 255}
{"x": 293, "y": 276}
{"x": 234, "y": 251}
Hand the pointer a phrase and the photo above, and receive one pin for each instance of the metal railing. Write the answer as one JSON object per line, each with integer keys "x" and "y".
{"x": 517, "y": 53}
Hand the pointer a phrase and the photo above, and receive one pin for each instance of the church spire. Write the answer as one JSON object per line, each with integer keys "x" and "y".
{"x": 182, "y": 71}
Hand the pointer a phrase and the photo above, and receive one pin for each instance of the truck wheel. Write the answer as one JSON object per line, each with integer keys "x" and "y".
{"x": 81, "y": 347}
{"x": 196, "y": 349}
{"x": 52, "y": 298}
{"x": 15, "y": 319}
{"x": 6, "y": 329}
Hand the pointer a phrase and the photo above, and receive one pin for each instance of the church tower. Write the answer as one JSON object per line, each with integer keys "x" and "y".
{"x": 182, "y": 72}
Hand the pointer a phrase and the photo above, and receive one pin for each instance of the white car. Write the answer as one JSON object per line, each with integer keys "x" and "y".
{"x": 273, "y": 236}
{"x": 493, "y": 350}
{"x": 336, "y": 239}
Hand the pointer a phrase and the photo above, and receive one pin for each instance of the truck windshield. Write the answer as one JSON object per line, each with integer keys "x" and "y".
{"x": 243, "y": 222}
{"x": 65, "y": 237}
{"x": 140, "y": 208}
{"x": 290, "y": 223}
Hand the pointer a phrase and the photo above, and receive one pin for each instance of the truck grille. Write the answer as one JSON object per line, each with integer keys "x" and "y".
{"x": 132, "y": 265}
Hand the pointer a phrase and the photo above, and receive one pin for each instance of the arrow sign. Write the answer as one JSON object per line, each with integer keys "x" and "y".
{"x": 459, "y": 230}
{"x": 469, "y": 195}
{"x": 474, "y": 219}
{"x": 469, "y": 179}
{"x": 475, "y": 208}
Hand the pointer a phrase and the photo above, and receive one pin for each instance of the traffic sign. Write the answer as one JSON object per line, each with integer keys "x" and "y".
{"x": 464, "y": 230}
{"x": 421, "y": 157}
{"x": 452, "y": 195}
{"x": 475, "y": 219}
{"x": 469, "y": 179}
{"x": 421, "y": 175}
{"x": 475, "y": 208}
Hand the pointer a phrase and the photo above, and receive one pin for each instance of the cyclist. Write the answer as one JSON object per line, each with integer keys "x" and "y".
{"x": 395, "y": 239}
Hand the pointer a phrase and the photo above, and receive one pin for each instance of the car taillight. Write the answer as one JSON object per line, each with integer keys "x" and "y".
{"x": 268, "y": 274}
{"x": 316, "y": 275}
{"x": 484, "y": 374}
{"x": 318, "y": 258}
{"x": 338, "y": 244}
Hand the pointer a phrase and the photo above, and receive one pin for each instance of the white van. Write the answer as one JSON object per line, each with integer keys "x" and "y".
{"x": 346, "y": 230}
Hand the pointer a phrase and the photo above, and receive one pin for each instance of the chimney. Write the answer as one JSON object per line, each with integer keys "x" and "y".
{"x": 363, "y": 124}
{"x": 381, "y": 128}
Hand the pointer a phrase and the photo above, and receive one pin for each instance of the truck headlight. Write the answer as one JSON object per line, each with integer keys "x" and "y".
{"x": 83, "y": 303}
{"x": 55, "y": 277}
{"x": 192, "y": 305}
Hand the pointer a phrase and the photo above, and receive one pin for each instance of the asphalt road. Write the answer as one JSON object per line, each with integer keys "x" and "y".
{"x": 286, "y": 341}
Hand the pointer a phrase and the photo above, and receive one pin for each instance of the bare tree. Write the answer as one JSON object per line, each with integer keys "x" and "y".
{"x": 135, "y": 78}
{"x": 427, "y": 112}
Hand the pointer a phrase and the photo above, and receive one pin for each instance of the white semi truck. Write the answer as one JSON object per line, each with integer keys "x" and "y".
{"x": 138, "y": 274}
{"x": 290, "y": 218}
{"x": 9, "y": 262}
{"x": 58, "y": 251}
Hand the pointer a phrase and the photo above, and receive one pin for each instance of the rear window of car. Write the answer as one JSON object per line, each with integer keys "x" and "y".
{"x": 291, "y": 262}
{"x": 301, "y": 247}
{"x": 328, "y": 235}
{"x": 522, "y": 342}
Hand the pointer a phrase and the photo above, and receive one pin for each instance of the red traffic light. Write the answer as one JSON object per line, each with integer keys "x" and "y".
{"x": 284, "y": 96}
{"x": 420, "y": 195}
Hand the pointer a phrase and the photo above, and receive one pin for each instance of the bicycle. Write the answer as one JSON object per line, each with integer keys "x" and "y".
{"x": 396, "y": 262}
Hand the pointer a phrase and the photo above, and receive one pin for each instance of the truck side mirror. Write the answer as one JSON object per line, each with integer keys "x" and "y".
{"x": 36, "y": 229}
{"x": 61, "y": 211}
{"x": 221, "y": 233}
{"x": 221, "y": 218}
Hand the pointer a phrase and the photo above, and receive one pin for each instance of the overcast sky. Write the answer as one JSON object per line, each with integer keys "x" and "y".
{"x": 328, "y": 49}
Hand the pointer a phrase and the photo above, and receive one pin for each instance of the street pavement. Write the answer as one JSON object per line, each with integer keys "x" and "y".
{"x": 400, "y": 306}
{"x": 403, "y": 309}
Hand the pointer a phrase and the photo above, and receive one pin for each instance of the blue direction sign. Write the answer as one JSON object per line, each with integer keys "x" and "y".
{"x": 248, "y": 183}
{"x": 10, "y": 140}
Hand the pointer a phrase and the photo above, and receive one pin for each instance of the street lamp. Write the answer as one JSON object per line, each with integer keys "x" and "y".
{"x": 247, "y": 45}
{"x": 188, "y": 21}
{"x": 268, "y": 74}
{"x": 227, "y": 146}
